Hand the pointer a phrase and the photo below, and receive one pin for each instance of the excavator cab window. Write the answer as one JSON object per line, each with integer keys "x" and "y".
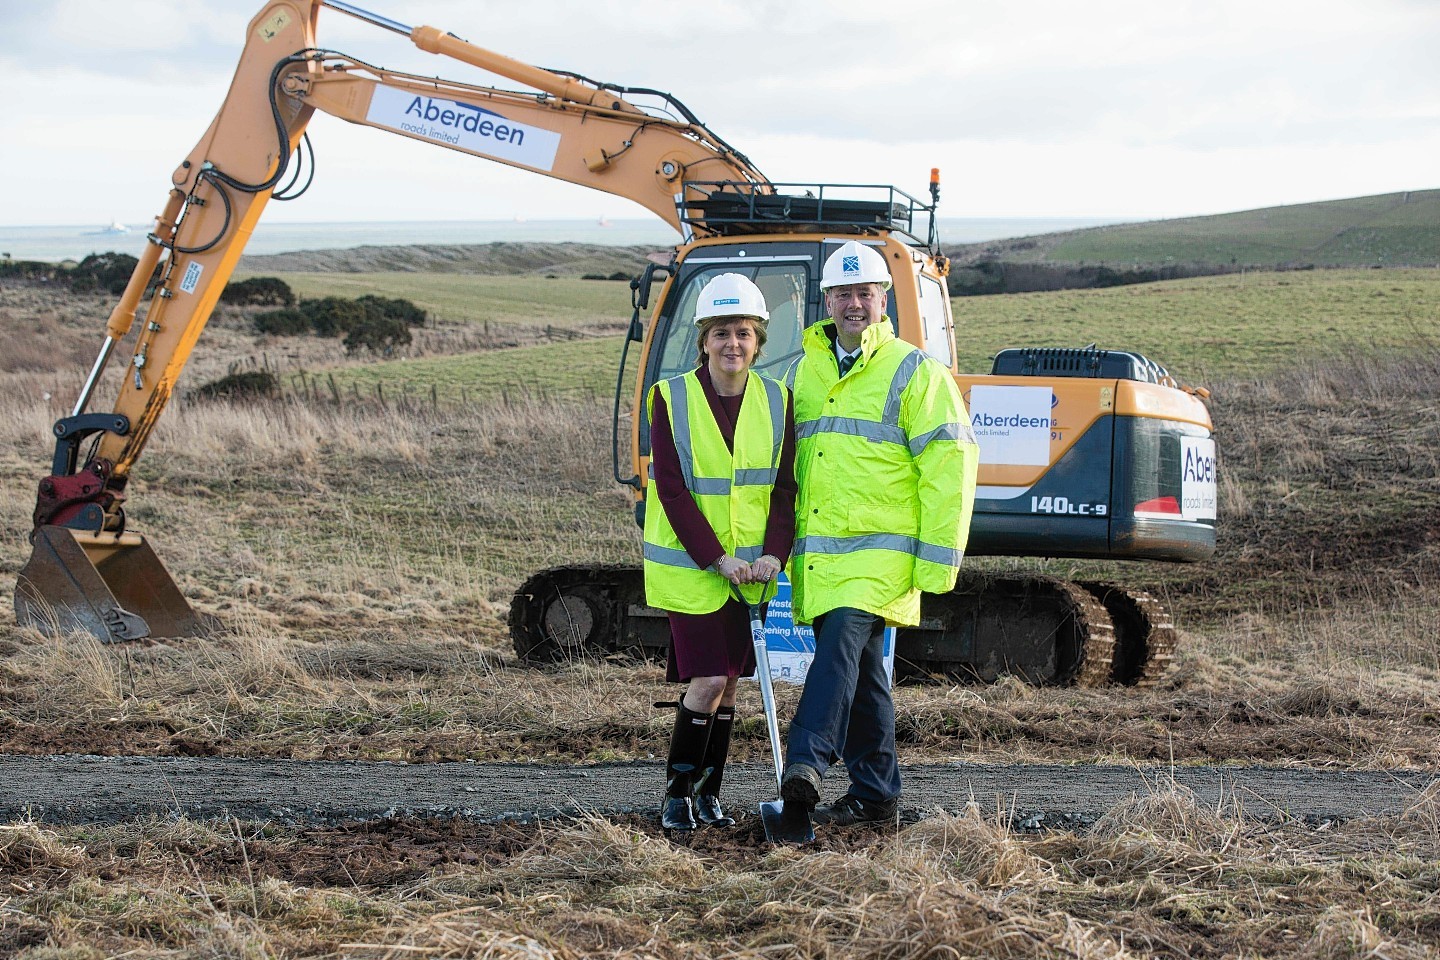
{"x": 785, "y": 285}
{"x": 784, "y": 288}
{"x": 935, "y": 316}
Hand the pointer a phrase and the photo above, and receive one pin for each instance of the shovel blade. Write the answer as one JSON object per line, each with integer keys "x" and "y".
{"x": 110, "y": 585}
{"x": 786, "y": 824}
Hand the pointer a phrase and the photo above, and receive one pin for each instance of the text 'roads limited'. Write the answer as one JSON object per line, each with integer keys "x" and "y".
{"x": 463, "y": 126}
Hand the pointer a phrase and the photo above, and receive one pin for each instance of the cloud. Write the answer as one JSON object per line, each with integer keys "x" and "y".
{"x": 1042, "y": 101}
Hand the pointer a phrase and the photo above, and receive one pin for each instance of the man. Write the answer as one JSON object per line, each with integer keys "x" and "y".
{"x": 886, "y": 464}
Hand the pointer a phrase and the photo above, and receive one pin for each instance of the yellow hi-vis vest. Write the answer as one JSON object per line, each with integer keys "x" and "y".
{"x": 886, "y": 462}
{"x": 732, "y": 491}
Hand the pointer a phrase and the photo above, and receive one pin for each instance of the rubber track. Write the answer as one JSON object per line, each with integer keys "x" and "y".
{"x": 1097, "y": 634}
{"x": 532, "y": 642}
{"x": 1146, "y": 631}
{"x": 1160, "y": 641}
{"x": 528, "y": 633}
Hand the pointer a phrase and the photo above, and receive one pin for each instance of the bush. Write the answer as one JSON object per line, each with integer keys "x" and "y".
{"x": 250, "y": 384}
{"x": 990, "y": 276}
{"x": 259, "y": 292}
{"x": 26, "y": 270}
{"x": 283, "y": 323}
{"x": 394, "y": 308}
{"x": 103, "y": 272}
{"x": 379, "y": 335}
{"x": 334, "y": 316}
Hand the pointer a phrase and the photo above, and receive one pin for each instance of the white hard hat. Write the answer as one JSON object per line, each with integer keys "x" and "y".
{"x": 730, "y": 295}
{"x": 855, "y": 262}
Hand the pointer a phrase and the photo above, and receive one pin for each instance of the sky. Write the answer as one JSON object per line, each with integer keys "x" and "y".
{"x": 1117, "y": 109}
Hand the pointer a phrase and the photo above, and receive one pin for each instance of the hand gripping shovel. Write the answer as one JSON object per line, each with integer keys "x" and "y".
{"x": 781, "y": 825}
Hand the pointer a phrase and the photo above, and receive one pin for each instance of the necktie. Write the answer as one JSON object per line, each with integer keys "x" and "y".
{"x": 846, "y": 363}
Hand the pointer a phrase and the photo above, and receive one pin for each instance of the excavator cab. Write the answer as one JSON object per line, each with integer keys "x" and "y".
{"x": 1085, "y": 453}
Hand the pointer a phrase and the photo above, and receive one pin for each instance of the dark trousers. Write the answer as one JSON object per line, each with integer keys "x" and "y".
{"x": 845, "y": 710}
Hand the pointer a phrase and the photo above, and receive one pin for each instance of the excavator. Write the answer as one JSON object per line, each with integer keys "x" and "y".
{"x": 1085, "y": 452}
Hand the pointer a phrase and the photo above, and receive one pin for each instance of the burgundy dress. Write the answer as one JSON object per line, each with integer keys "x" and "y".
{"x": 716, "y": 644}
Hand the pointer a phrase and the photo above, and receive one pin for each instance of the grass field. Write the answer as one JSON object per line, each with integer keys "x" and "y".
{"x": 584, "y": 367}
{"x": 561, "y": 301}
{"x": 362, "y": 556}
{"x": 1386, "y": 230}
{"x": 1236, "y": 325}
{"x": 1203, "y": 328}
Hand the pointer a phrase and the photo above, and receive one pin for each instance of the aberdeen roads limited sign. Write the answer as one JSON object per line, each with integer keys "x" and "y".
{"x": 464, "y": 126}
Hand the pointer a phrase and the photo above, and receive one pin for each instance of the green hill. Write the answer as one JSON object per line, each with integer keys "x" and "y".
{"x": 1393, "y": 229}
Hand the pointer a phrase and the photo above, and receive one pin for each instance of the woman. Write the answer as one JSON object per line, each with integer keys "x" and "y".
{"x": 719, "y": 517}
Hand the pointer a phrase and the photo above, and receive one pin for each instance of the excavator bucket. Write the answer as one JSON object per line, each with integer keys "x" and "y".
{"x": 110, "y": 585}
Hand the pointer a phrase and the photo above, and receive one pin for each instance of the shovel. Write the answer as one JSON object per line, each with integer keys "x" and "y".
{"x": 781, "y": 825}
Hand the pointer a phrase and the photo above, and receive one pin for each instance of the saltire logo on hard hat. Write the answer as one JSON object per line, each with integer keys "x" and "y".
{"x": 850, "y": 264}
{"x": 728, "y": 301}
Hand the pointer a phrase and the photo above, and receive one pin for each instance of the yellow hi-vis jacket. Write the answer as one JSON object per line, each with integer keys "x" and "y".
{"x": 886, "y": 463}
{"x": 731, "y": 490}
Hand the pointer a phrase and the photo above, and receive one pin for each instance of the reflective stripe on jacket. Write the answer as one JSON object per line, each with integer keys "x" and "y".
{"x": 886, "y": 462}
{"x": 731, "y": 490}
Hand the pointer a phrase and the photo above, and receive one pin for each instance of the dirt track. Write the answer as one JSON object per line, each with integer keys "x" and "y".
{"x": 74, "y": 789}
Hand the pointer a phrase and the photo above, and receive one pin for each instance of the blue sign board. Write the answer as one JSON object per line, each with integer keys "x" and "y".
{"x": 792, "y": 647}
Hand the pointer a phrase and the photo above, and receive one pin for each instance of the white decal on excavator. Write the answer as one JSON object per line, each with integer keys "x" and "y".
{"x": 465, "y": 126}
{"x": 1012, "y": 424}
{"x": 1197, "y": 479}
{"x": 191, "y": 279}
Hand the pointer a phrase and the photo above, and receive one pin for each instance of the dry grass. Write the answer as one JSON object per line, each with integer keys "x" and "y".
{"x": 362, "y": 558}
{"x": 1162, "y": 879}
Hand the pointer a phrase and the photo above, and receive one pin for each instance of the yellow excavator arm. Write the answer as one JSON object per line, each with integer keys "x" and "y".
{"x": 568, "y": 128}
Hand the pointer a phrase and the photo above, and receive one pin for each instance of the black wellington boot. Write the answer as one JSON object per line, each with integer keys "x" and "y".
{"x": 687, "y": 750}
{"x": 707, "y": 788}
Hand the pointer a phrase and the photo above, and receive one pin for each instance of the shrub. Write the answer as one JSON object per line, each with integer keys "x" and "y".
{"x": 395, "y": 308}
{"x": 26, "y": 269}
{"x": 379, "y": 335}
{"x": 333, "y": 316}
{"x": 105, "y": 272}
{"x": 260, "y": 292}
{"x": 250, "y": 384}
{"x": 283, "y": 323}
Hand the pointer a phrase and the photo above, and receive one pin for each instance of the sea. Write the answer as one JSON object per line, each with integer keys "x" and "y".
{"x": 58, "y": 243}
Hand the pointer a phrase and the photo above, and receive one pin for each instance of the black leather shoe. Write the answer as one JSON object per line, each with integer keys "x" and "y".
{"x": 677, "y": 814}
{"x": 852, "y": 809}
{"x": 801, "y": 785}
{"x": 708, "y": 811}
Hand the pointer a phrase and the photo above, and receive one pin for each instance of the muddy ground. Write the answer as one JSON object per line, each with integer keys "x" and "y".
{"x": 78, "y": 789}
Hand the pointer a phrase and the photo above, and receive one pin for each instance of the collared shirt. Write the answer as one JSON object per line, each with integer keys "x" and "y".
{"x": 840, "y": 356}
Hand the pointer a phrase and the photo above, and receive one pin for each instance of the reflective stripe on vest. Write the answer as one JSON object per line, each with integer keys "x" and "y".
{"x": 671, "y": 557}
{"x": 887, "y": 430}
{"x": 879, "y": 541}
{"x": 885, "y": 460}
{"x": 731, "y": 488}
{"x": 684, "y": 446}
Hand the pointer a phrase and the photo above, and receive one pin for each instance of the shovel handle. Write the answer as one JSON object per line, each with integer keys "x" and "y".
{"x": 767, "y": 689}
